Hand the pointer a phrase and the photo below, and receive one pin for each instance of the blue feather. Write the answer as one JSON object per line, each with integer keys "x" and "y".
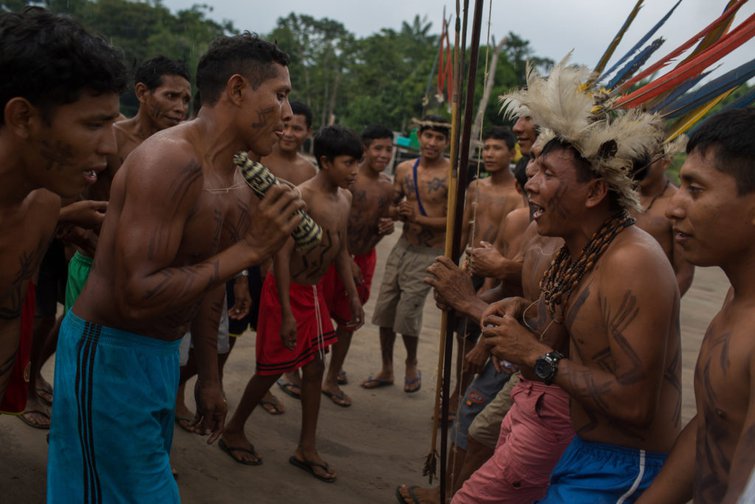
{"x": 691, "y": 101}
{"x": 680, "y": 90}
{"x": 634, "y": 65}
{"x": 739, "y": 103}
{"x": 641, "y": 42}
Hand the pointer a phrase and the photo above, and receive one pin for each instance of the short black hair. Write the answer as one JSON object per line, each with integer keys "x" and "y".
{"x": 375, "y": 132}
{"x": 520, "y": 171}
{"x": 50, "y": 59}
{"x": 333, "y": 141}
{"x": 500, "y": 133}
{"x": 299, "y": 108}
{"x": 244, "y": 54}
{"x": 730, "y": 135}
{"x": 439, "y": 125}
{"x": 151, "y": 72}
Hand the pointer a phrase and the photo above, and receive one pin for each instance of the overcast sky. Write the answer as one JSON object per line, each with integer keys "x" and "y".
{"x": 553, "y": 27}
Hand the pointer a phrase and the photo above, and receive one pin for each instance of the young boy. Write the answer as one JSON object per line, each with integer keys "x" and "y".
{"x": 372, "y": 195}
{"x": 712, "y": 216}
{"x": 286, "y": 161}
{"x": 294, "y": 328}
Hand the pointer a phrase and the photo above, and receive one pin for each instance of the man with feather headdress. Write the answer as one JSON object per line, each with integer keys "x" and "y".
{"x": 610, "y": 290}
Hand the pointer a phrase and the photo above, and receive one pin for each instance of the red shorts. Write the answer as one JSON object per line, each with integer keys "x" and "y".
{"x": 312, "y": 335}
{"x": 17, "y": 391}
{"x": 335, "y": 292}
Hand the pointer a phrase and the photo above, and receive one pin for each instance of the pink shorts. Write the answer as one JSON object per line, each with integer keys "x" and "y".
{"x": 534, "y": 434}
{"x": 335, "y": 292}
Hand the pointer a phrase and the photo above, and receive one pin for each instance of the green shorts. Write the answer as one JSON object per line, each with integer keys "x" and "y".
{"x": 78, "y": 271}
{"x": 403, "y": 291}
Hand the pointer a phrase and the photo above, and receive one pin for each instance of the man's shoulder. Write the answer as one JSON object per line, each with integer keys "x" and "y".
{"x": 636, "y": 256}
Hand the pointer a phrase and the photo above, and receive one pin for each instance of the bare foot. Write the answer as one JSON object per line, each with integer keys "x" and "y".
{"x": 418, "y": 495}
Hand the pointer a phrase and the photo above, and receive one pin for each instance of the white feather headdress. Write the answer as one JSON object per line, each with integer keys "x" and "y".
{"x": 563, "y": 107}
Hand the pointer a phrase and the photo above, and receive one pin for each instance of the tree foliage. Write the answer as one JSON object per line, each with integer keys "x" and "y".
{"x": 385, "y": 78}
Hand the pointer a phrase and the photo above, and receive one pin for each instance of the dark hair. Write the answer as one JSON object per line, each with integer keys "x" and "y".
{"x": 444, "y": 130}
{"x": 299, "y": 108}
{"x": 245, "y": 54}
{"x": 375, "y": 132}
{"x": 520, "y": 171}
{"x": 730, "y": 134}
{"x": 641, "y": 166}
{"x": 49, "y": 59}
{"x": 500, "y": 133}
{"x": 332, "y": 141}
{"x": 151, "y": 72}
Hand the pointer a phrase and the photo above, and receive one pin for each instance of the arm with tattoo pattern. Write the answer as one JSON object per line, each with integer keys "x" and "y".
{"x": 146, "y": 244}
{"x": 743, "y": 461}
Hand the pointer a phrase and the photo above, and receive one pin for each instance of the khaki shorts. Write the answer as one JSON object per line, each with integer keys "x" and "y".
{"x": 403, "y": 291}
{"x": 486, "y": 426}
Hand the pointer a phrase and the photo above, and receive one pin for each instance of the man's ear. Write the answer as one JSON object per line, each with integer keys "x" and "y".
{"x": 235, "y": 88}
{"x": 324, "y": 162}
{"x": 597, "y": 191}
{"x": 140, "y": 89}
{"x": 21, "y": 116}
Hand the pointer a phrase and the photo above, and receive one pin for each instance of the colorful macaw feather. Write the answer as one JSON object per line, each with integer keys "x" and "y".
{"x": 637, "y": 62}
{"x": 641, "y": 42}
{"x": 710, "y": 90}
{"x": 680, "y": 90}
{"x": 728, "y": 43}
{"x": 679, "y": 50}
{"x": 615, "y": 42}
{"x": 713, "y": 36}
{"x": 693, "y": 117}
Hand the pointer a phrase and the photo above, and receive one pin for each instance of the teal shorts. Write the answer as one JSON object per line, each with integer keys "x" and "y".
{"x": 112, "y": 418}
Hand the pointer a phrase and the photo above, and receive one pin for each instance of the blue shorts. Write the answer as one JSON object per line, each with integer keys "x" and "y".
{"x": 112, "y": 418}
{"x": 480, "y": 392}
{"x": 601, "y": 473}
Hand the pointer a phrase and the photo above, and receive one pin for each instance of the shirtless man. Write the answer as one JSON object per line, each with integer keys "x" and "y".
{"x": 162, "y": 88}
{"x": 612, "y": 291}
{"x": 159, "y": 267}
{"x": 421, "y": 187}
{"x": 488, "y": 201}
{"x": 55, "y": 133}
{"x": 656, "y": 191}
{"x": 712, "y": 215}
{"x": 294, "y": 325}
{"x": 369, "y": 222}
{"x": 286, "y": 161}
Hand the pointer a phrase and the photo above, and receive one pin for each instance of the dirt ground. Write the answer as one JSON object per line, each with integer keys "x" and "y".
{"x": 377, "y": 444}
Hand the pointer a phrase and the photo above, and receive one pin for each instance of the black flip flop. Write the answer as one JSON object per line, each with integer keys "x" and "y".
{"x": 230, "y": 451}
{"x": 287, "y": 388}
{"x": 310, "y": 468}
{"x": 400, "y": 498}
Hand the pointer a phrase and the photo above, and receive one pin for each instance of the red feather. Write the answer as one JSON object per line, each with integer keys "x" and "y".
{"x": 676, "y": 52}
{"x": 731, "y": 41}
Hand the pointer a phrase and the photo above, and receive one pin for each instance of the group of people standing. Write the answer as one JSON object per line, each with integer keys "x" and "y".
{"x": 576, "y": 264}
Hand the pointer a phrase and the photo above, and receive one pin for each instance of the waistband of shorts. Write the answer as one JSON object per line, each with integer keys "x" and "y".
{"x": 78, "y": 256}
{"x": 119, "y": 337}
{"x": 595, "y": 447}
{"x": 419, "y": 249}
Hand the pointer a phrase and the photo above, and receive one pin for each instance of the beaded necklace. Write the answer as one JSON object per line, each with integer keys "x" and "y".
{"x": 564, "y": 274}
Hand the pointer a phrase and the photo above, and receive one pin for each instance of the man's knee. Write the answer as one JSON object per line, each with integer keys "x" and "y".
{"x": 312, "y": 371}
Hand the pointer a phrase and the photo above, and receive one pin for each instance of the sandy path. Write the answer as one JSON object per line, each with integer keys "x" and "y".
{"x": 378, "y": 443}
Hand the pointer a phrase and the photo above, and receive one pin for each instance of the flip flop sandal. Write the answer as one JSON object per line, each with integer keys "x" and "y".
{"x": 185, "y": 423}
{"x": 339, "y": 398}
{"x": 342, "y": 379}
{"x": 412, "y": 495}
{"x": 230, "y": 451}
{"x": 373, "y": 383}
{"x": 31, "y": 423}
{"x": 290, "y": 389}
{"x": 310, "y": 468}
{"x": 272, "y": 407}
{"x": 409, "y": 384}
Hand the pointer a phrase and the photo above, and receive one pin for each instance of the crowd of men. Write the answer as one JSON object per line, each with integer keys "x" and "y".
{"x": 568, "y": 385}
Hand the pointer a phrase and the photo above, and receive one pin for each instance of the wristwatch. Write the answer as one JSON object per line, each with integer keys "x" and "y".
{"x": 241, "y": 274}
{"x": 546, "y": 366}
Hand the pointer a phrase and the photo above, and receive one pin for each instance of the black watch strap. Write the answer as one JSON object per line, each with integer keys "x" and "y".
{"x": 552, "y": 358}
